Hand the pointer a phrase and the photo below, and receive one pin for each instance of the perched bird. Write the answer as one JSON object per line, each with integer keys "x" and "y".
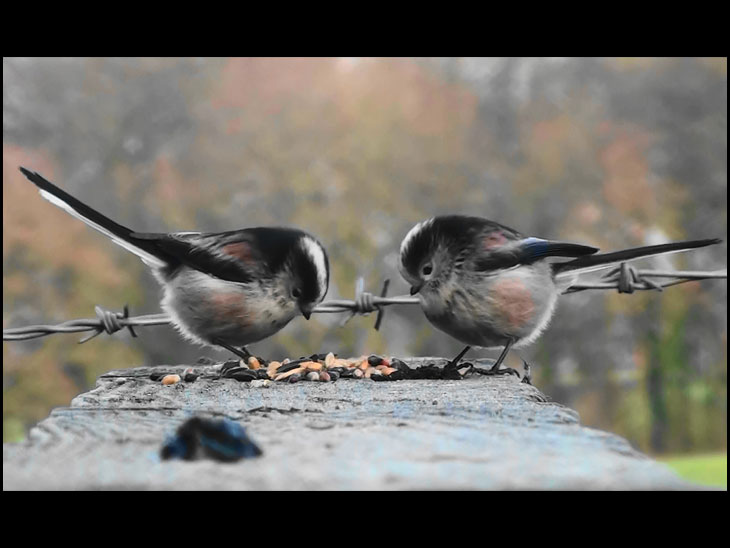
{"x": 225, "y": 289}
{"x": 487, "y": 285}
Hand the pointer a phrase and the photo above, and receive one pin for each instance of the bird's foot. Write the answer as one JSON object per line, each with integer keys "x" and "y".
{"x": 241, "y": 352}
{"x": 457, "y": 371}
{"x": 453, "y": 365}
{"x": 493, "y": 371}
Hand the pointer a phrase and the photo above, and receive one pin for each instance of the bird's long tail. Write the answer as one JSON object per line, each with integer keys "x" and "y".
{"x": 566, "y": 272}
{"x": 119, "y": 234}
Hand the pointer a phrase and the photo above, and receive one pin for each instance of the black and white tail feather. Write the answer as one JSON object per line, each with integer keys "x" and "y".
{"x": 567, "y": 273}
{"x": 119, "y": 234}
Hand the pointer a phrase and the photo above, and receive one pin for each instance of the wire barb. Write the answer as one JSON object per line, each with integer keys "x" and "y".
{"x": 624, "y": 278}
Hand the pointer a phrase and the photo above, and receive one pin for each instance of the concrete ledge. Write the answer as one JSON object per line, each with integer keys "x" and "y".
{"x": 476, "y": 433}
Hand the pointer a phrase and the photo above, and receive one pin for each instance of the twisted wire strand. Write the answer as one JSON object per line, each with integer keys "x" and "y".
{"x": 624, "y": 279}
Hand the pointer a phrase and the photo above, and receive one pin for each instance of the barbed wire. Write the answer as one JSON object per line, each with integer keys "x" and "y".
{"x": 627, "y": 279}
{"x": 624, "y": 279}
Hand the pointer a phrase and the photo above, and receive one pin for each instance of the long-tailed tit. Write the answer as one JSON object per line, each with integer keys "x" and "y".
{"x": 225, "y": 289}
{"x": 487, "y": 285}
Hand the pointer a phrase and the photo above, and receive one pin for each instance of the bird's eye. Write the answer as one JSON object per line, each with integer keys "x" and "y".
{"x": 427, "y": 270}
{"x": 296, "y": 293}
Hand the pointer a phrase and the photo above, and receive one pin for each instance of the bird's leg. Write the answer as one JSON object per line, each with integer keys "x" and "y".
{"x": 495, "y": 370}
{"x": 453, "y": 363}
{"x": 243, "y": 353}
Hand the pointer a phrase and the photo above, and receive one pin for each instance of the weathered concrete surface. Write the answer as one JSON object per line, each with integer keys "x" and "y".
{"x": 477, "y": 433}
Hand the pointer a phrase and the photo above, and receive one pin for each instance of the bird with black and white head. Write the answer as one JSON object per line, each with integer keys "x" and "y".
{"x": 487, "y": 285}
{"x": 227, "y": 289}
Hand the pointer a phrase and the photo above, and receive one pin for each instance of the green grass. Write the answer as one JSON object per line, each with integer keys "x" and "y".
{"x": 708, "y": 469}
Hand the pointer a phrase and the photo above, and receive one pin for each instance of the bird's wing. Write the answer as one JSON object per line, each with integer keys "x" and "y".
{"x": 233, "y": 256}
{"x": 497, "y": 250}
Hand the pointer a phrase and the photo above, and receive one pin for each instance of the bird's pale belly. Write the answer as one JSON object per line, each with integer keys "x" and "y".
{"x": 211, "y": 311}
{"x": 516, "y": 307}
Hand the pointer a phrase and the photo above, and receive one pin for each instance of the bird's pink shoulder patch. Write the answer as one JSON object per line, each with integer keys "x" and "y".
{"x": 239, "y": 250}
{"x": 494, "y": 240}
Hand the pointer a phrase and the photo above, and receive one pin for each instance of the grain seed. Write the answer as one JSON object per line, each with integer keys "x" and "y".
{"x": 170, "y": 379}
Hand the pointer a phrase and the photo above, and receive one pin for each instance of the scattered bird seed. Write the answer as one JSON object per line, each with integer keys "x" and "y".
{"x": 233, "y": 370}
{"x": 328, "y": 367}
{"x": 290, "y": 373}
{"x": 272, "y": 367}
{"x": 374, "y": 360}
{"x": 312, "y": 366}
{"x": 246, "y": 375}
{"x": 170, "y": 379}
{"x": 230, "y": 364}
{"x": 291, "y": 365}
{"x": 400, "y": 365}
{"x": 397, "y": 375}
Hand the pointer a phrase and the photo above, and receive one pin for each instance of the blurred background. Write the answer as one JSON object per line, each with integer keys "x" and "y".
{"x": 609, "y": 152}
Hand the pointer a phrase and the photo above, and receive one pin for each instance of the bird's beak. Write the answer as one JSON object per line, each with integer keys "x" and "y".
{"x": 416, "y": 288}
{"x": 306, "y": 311}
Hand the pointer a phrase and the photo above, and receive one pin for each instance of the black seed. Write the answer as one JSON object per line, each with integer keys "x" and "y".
{"x": 233, "y": 370}
{"x": 374, "y": 360}
{"x": 334, "y": 375}
{"x": 244, "y": 376}
{"x": 230, "y": 364}
{"x": 397, "y": 375}
{"x": 427, "y": 372}
{"x": 157, "y": 376}
{"x": 450, "y": 374}
{"x": 291, "y": 365}
{"x": 190, "y": 377}
{"x": 262, "y": 373}
{"x": 379, "y": 378}
{"x": 400, "y": 365}
{"x": 347, "y": 373}
{"x": 296, "y": 377}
